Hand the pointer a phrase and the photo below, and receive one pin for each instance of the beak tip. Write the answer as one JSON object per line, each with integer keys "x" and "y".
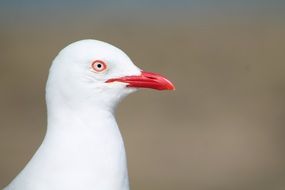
{"x": 169, "y": 86}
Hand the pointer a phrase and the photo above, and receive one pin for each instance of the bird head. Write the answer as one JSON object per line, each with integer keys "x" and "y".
{"x": 91, "y": 72}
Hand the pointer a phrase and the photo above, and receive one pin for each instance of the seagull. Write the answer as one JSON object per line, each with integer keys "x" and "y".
{"x": 83, "y": 148}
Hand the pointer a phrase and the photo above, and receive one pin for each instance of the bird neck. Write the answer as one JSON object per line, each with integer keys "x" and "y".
{"x": 84, "y": 146}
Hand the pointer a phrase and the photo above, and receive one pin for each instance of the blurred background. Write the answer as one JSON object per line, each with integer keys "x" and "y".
{"x": 222, "y": 129}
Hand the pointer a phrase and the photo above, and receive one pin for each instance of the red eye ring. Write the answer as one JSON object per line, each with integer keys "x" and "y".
{"x": 99, "y": 66}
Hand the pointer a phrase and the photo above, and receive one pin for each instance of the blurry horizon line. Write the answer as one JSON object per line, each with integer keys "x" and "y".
{"x": 29, "y": 12}
{"x": 31, "y": 6}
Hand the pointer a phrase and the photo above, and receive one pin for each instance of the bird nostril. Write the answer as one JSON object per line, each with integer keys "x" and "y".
{"x": 150, "y": 77}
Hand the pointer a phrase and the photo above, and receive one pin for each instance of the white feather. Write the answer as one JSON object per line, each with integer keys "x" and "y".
{"x": 83, "y": 147}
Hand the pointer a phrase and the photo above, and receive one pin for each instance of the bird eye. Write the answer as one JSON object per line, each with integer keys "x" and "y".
{"x": 99, "y": 66}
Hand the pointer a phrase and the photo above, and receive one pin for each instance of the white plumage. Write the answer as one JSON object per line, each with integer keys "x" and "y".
{"x": 83, "y": 147}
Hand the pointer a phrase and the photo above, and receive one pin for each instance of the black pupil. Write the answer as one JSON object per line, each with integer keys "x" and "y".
{"x": 99, "y": 66}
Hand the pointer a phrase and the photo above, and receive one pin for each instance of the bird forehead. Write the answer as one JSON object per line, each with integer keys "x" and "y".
{"x": 92, "y": 46}
{"x": 94, "y": 49}
{"x": 87, "y": 51}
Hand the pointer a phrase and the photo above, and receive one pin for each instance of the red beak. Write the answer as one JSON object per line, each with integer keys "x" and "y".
{"x": 145, "y": 80}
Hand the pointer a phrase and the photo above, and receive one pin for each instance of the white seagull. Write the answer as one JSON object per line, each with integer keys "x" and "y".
{"x": 83, "y": 148}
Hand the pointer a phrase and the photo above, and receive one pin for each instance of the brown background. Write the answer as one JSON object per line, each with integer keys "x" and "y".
{"x": 224, "y": 126}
